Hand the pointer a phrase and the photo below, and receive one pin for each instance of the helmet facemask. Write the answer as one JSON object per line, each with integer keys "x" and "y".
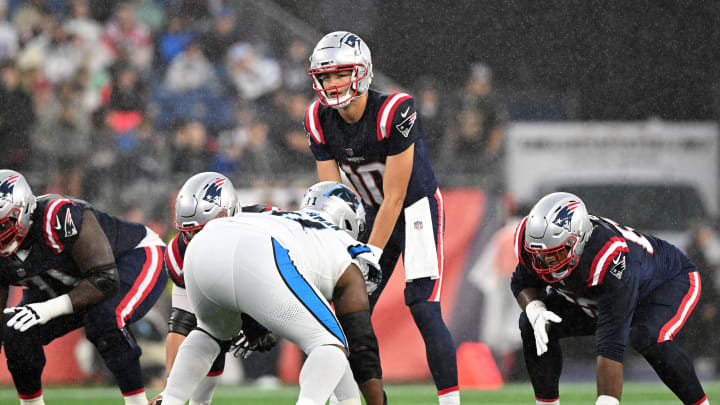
{"x": 357, "y": 71}
{"x": 11, "y": 232}
{"x": 555, "y": 263}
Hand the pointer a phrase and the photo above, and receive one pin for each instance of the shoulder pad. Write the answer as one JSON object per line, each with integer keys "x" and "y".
{"x": 312, "y": 123}
{"x": 174, "y": 260}
{"x": 387, "y": 113}
{"x": 611, "y": 255}
{"x": 60, "y": 222}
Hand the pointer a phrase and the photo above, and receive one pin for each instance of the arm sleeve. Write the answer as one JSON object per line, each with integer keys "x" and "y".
{"x": 617, "y": 300}
{"x": 405, "y": 128}
{"x": 195, "y": 357}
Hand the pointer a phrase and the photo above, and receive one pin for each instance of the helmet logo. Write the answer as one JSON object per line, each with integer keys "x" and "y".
{"x": 7, "y": 186}
{"x": 563, "y": 217}
{"x": 345, "y": 194}
{"x": 214, "y": 190}
{"x": 352, "y": 41}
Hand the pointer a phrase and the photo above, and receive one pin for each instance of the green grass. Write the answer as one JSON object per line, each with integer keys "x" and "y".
{"x": 645, "y": 393}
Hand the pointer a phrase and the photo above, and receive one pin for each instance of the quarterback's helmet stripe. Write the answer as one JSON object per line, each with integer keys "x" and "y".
{"x": 306, "y": 293}
{"x": 517, "y": 238}
{"x": 435, "y": 296}
{"x": 312, "y": 123}
{"x": 51, "y": 236}
{"x": 386, "y": 113}
{"x": 142, "y": 286}
{"x": 174, "y": 261}
{"x": 612, "y": 248}
{"x": 689, "y": 301}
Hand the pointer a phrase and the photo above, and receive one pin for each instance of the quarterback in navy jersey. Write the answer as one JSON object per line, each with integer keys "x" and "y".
{"x": 79, "y": 268}
{"x": 580, "y": 275}
{"x": 376, "y": 140}
{"x": 202, "y": 198}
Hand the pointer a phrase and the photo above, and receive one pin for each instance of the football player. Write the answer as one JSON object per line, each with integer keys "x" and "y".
{"x": 284, "y": 269}
{"x": 578, "y": 275}
{"x": 79, "y": 268}
{"x": 203, "y": 197}
{"x": 376, "y": 140}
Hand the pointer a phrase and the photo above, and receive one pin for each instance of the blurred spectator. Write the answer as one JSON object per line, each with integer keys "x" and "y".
{"x": 65, "y": 128}
{"x": 432, "y": 111}
{"x": 8, "y": 34}
{"x": 190, "y": 70}
{"x": 124, "y": 33}
{"x": 127, "y": 100}
{"x": 150, "y": 13}
{"x": 174, "y": 40}
{"x": 295, "y": 66}
{"x": 190, "y": 153}
{"x": 221, "y": 37}
{"x": 254, "y": 75}
{"x": 288, "y": 130}
{"x": 89, "y": 31}
{"x": 63, "y": 57}
{"x": 475, "y": 137}
{"x": 16, "y": 118}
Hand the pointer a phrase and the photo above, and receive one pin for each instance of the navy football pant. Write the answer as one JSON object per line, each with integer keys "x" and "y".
{"x": 142, "y": 282}
{"x": 422, "y": 298}
{"x": 656, "y": 321}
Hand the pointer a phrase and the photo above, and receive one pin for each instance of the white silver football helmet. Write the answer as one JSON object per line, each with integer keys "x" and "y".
{"x": 338, "y": 203}
{"x": 556, "y": 231}
{"x": 17, "y": 204}
{"x": 341, "y": 51}
{"x": 203, "y": 197}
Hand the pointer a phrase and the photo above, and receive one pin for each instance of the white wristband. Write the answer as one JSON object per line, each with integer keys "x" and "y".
{"x": 607, "y": 400}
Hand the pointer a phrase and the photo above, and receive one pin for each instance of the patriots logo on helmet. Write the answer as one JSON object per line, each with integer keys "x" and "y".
{"x": 352, "y": 40}
{"x": 563, "y": 217}
{"x": 213, "y": 191}
{"x": 7, "y": 186}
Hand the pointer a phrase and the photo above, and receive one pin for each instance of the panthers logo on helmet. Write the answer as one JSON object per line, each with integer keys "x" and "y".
{"x": 563, "y": 217}
{"x": 345, "y": 194}
{"x": 214, "y": 190}
{"x": 7, "y": 186}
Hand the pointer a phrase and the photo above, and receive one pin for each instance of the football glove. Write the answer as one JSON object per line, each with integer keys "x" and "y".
{"x": 26, "y": 316}
{"x": 252, "y": 338}
{"x": 369, "y": 265}
{"x": 539, "y": 318}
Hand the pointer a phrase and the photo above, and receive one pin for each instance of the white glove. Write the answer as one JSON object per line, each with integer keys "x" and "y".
{"x": 26, "y": 316}
{"x": 369, "y": 265}
{"x": 539, "y": 317}
{"x": 607, "y": 400}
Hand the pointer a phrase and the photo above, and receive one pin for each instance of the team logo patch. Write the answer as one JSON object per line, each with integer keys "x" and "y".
{"x": 214, "y": 190}
{"x": 405, "y": 126}
{"x": 70, "y": 228}
{"x": 7, "y": 186}
{"x": 617, "y": 267}
{"x": 418, "y": 225}
{"x": 352, "y": 41}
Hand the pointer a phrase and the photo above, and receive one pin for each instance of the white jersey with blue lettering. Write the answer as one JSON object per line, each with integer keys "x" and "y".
{"x": 280, "y": 268}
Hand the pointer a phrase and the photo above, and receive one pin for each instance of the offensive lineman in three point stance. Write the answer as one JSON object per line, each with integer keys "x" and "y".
{"x": 581, "y": 275}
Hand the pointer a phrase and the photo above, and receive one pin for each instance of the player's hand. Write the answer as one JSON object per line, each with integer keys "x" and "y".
{"x": 157, "y": 400}
{"x": 539, "y": 318}
{"x": 369, "y": 265}
{"x": 25, "y": 317}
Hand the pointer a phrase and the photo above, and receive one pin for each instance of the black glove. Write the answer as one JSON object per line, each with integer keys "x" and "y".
{"x": 252, "y": 338}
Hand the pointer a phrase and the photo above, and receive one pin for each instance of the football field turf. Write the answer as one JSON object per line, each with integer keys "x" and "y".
{"x": 645, "y": 393}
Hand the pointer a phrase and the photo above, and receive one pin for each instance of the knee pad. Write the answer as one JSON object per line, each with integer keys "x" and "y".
{"x": 115, "y": 342}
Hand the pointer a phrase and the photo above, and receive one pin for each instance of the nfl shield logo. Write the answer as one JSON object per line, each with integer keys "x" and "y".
{"x": 418, "y": 225}
{"x": 349, "y": 152}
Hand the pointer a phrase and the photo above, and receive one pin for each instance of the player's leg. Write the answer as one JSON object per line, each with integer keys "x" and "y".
{"x": 271, "y": 289}
{"x": 424, "y": 227}
{"x": 545, "y": 370}
{"x": 203, "y": 393}
{"x": 25, "y": 354}
{"x": 657, "y": 320}
{"x": 142, "y": 283}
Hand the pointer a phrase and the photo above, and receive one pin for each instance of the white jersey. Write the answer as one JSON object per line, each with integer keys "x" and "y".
{"x": 280, "y": 268}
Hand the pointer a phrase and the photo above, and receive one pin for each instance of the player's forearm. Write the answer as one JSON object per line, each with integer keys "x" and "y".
{"x": 385, "y": 221}
{"x": 609, "y": 377}
{"x": 85, "y": 294}
{"x": 526, "y": 296}
{"x": 372, "y": 391}
{"x": 174, "y": 340}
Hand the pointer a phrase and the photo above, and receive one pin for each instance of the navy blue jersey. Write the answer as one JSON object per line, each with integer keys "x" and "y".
{"x": 175, "y": 252}
{"x": 388, "y": 127}
{"x": 618, "y": 269}
{"x": 44, "y": 260}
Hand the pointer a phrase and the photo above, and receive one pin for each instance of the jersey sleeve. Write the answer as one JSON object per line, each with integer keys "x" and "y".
{"x": 315, "y": 134}
{"x": 396, "y": 124}
{"x": 174, "y": 255}
{"x": 616, "y": 301}
{"x": 61, "y": 222}
{"x": 258, "y": 208}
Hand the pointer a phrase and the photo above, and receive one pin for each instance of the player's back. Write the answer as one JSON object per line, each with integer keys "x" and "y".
{"x": 318, "y": 249}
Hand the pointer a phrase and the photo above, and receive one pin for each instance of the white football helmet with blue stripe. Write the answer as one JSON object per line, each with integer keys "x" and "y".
{"x": 338, "y": 203}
